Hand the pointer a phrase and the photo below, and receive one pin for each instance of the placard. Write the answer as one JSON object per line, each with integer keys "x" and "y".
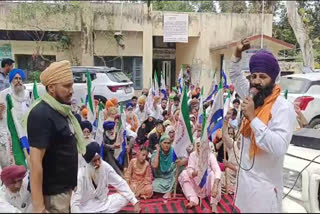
{"x": 175, "y": 28}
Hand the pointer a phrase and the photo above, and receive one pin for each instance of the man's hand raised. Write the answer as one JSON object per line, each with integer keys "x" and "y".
{"x": 245, "y": 45}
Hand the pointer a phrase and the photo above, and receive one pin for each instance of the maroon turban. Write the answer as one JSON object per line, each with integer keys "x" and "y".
{"x": 11, "y": 173}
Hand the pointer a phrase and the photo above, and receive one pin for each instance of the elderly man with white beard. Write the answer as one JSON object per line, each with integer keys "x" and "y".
{"x": 109, "y": 145}
{"x": 91, "y": 194}
{"x": 21, "y": 102}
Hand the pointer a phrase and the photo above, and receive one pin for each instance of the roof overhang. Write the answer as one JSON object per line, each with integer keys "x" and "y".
{"x": 283, "y": 45}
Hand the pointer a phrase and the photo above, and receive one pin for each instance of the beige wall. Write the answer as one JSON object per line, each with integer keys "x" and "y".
{"x": 105, "y": 44}
{"x": 138, "y": 25}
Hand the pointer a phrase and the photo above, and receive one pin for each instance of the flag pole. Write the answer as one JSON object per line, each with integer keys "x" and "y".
{"x": 225, "y": 154}
{"x": 176, "y": 182}
{"x": 27, "y": 157}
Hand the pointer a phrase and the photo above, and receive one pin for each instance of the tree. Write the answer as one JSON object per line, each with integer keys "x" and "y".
{"x": 180, "y": 6}
{"x": 256, "y": 6}
{"x": 204, "y": 6}
{"x": 33, "y": 15}
{"x": 301, "y": 32}
{"x": 233, "y": 6}
{"x": 282, "y": 29}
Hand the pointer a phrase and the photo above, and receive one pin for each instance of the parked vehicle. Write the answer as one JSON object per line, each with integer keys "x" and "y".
{"x": 304, "y": 90}
{"x": 304, "y": 198}
{"x": 106, "y": 83}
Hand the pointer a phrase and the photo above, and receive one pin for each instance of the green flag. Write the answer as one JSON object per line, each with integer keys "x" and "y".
{"x": 17, "y": 151}
{"x": 91, "y": 115}
{"x": 286, "y": 94}
{"x": 35, "y": 91}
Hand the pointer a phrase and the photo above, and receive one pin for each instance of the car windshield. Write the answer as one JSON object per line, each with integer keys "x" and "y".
{"x": 294, "y": 85}
{"x": 117, "y": 76}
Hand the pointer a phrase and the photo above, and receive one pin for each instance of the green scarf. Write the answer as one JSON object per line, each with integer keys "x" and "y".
{"x": 65, "y": 111}
{"x": 165, "y": 159}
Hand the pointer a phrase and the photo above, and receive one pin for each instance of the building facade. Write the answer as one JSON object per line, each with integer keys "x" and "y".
{"x": 127, "y": 36}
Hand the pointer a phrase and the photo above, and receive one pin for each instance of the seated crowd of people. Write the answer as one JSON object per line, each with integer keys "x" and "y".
{"x": 147, "y": 168}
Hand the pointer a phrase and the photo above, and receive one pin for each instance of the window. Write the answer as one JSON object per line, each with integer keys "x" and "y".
{"x": 30, "y": 63}
{"x": 294, "y": 85}
{"x": 130, "y": 66}
{"x": 80, "y": 77}
{"x": 117, "y": 76}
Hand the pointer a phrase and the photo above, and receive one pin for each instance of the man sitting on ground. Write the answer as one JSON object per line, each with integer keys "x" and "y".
{"x": 16, "y": 182}
{"x": 91, "y": 194}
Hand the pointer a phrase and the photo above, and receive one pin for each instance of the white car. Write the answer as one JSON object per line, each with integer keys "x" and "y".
{"x": 304, "y": 198}
{"x": 304, "y": 90}
{"x": 106, "y": 84}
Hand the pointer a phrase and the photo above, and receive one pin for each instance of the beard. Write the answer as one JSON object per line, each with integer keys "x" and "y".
{"x": 263, "y": 93}
{"x": 18, "y": 90}
{"x": 110, "y": 136}
{"x": 94, "y": 173}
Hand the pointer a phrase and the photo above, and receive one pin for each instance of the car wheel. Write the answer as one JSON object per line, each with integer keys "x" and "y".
{"x": 315, "y": 123}
{"x": 101, "y": 98}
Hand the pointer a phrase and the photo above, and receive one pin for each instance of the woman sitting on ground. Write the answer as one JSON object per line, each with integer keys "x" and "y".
{"x": 163, "y": 167}
{"x": 189, "y": 180}
{"x": 138, "y": 175}
{"x": 155, "y": 137}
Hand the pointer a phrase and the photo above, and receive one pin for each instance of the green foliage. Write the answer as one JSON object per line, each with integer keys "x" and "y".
{"x": 233, "y": 6}
{"x": 24, "y": 12}
{"x": 34, "y": 76}
{"x": 205, "y": 6}
{"x": 180, "y": 6}
{"x": 282, "y": 29}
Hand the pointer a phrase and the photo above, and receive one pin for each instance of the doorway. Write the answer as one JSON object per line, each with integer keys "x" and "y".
{"x": 168, "y": 69}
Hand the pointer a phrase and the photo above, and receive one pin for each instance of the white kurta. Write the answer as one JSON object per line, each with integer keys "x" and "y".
{"x": 141, "y": 115}
{"x": 261, "y": 188}
{"x": 21, "y": 106}
{"x": 20, "y": 200}
{"x": 87, "y": 199}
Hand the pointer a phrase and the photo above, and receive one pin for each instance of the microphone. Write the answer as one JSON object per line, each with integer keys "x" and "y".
{"x": 252, "y": 92}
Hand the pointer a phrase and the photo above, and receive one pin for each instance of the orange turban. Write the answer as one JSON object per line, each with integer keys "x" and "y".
{"x": 114, "y": 101}
{"x": 109, "y": 104}
{"x": 84, "y": 112}
{"x": 57, "y": 72}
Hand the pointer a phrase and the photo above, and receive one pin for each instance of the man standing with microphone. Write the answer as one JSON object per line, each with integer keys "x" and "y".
{"x": 266, "y": 132}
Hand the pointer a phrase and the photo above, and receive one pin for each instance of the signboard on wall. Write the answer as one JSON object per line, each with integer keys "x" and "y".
{"x": 5, "y": 51}
{"x": 175, "y": 28}
{"x": 164, "y": 53}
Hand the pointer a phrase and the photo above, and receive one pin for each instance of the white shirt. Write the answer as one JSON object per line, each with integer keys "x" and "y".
{"x": 260, "y": 189}
{"x": 88, "y": 199}
{"x": 156, "y": 113}
{"x": 20, "y": 200}
{"x": 141, "y": 115}
{"x": 21, "y": 106}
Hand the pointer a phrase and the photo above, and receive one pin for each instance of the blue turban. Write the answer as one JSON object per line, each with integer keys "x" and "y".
{"x": 108, "y": 125}
{"x": 14, "y": 72}
{"x": 129, "y": 105}
{"x": 86, "y": 125}
{"x": 92, "y": 149}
